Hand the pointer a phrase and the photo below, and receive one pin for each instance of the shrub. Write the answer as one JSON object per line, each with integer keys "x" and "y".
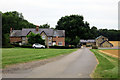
{"x": 61, "y": 47}
{"x": 88, "y": 45}
{"x": 16, "y": 44}
{"x": 26, "y": 46}
{"x": 8, "y": 46}
{"x": 94, "y": 47}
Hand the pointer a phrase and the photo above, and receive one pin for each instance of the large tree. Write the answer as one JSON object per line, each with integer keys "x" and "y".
{"x": 75, "y": 28}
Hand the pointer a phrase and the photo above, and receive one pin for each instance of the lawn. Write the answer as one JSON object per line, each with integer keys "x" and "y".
{"x": 107, "y": 67}
{"x": 20, "y": 55}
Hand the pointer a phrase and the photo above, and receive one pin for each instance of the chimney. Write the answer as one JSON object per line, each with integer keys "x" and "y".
{"x": 37, "y": 28}
{"x": 11, "y": 29}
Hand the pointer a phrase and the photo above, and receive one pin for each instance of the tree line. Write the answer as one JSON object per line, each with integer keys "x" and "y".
{"x": 76, "y": 28}
{"x": 74, "y": 25}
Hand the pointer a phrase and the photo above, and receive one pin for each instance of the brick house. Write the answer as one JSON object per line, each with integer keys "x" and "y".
{"x": 52, "y": 37}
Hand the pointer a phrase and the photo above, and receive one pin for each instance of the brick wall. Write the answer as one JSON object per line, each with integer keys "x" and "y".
{"x": 15, "y": 39}
{"x": 59, "y": 39}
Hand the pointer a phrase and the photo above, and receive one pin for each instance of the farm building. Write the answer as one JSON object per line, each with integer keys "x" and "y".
{"x": 100, "y": 41}
{"x": 89, "y": 42}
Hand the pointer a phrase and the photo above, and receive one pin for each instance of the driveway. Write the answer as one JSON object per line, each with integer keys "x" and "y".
{"x": 79, "y": 64}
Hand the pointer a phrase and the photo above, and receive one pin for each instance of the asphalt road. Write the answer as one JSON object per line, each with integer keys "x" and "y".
{"x": 79, "y": 64}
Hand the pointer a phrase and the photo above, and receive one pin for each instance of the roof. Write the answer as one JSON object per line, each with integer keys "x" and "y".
{"x": 16, "y": 33}
{"x": 49, "y": 32}
{"x": 59, "y": 33}
{"x": 99, "y": 37}
{"x": 107, "y": 41}
{"x": 89, "y": 40}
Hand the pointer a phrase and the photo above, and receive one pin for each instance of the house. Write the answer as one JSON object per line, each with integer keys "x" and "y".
{"x": 52, "y": 37}
{"x": 102, "y": 41}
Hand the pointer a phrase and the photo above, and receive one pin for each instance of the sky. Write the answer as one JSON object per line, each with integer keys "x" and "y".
{"x": 100, "y": 13}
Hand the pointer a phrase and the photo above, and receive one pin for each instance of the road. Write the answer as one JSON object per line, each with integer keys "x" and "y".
{"x": 79, "y": 64}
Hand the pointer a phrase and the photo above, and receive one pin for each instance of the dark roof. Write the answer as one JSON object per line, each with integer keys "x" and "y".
{"x": 16, "y": 33}
{"x": 89, "y": 40}
{"x": 105, "y": 41}
{"x": 48, "y": 32}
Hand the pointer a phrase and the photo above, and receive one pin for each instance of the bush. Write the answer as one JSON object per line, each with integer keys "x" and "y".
{"x": 16, "y": 44}
{"x": 88, "y": 45}
{"x": 26, "y": 46}
{"x": 94, "y": 47}
{"x": 8, "y": 46}
{"x": 61, "y": 47}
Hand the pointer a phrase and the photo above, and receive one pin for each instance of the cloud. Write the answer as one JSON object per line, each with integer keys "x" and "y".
{"x": 97, "y": 12}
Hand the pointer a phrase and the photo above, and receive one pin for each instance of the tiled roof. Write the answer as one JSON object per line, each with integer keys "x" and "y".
{"x": 49, "y": 32}
{"x": 16, "y": 33}
{"x": 59, "y": 33}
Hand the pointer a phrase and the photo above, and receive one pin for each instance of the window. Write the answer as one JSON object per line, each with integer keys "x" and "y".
{"x": 23, "y": 38}
{"x": 102, "y": 38}
{"x": 50, "y": 44}
{"x": 60, "y": 43}
{"x": 43, "y": 37}
{"x": 49, "y": 38}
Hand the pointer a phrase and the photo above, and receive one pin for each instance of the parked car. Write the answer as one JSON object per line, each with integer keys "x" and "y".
{"x": 37, "y": 45}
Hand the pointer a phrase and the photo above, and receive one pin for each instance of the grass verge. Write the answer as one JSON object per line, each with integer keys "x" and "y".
{"x": 107, "y": 67}
{"x": 20, "y": 55}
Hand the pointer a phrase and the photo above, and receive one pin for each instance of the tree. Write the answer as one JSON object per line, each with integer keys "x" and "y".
{"x": 15, "y": 20}
{"x": 35, "y": 38}
{"x": 45, "y": 26}
{"x": 94, "y": 32}
{"x": 73, "y": 26}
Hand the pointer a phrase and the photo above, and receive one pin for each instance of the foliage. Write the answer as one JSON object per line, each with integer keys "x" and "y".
{"x": 6, "y": 41}
{"x": 62, "y": 47}
{"x": 20, "y": 55}
{"x": 35, "y": 38}
{"x": 26, "y": 46}
{"x": 15, "y": 20}
{"x": 74, "y": 25}
{"x": 45, "y": 26}
{"x": 94, "y": 47}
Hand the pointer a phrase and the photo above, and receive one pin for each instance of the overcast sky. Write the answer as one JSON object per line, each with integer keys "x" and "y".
{"x": 99, "y": 13}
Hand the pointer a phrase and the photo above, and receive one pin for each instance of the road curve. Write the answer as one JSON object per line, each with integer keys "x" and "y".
{"x": 78, "y": 64}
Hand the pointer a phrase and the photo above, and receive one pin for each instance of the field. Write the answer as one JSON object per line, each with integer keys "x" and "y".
{"x": 113, "y": 53}
{"x": 107, "y": 65}
{"x": 20, "y": 55}
{"x": 115, "y": 43}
